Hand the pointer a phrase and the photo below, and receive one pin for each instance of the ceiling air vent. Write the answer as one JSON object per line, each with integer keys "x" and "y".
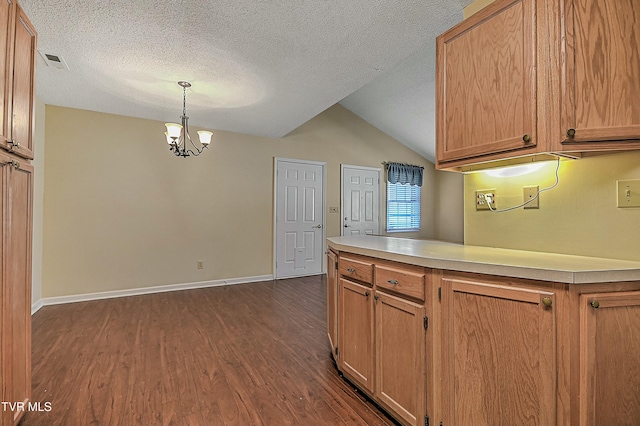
{"x": 55, "y": 61}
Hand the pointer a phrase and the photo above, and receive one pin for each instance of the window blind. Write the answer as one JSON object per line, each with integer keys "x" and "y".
{"x": 403, "y": 207}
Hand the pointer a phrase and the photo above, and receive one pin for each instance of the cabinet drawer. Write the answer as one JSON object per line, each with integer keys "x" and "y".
{"x": 404, "y": 279}
{"x": 358, "y": 268}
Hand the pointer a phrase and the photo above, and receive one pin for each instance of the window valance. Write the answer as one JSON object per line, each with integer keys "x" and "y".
{"x": 404, "y": 173}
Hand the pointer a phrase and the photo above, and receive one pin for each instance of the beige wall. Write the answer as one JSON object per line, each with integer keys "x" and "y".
{"x": 449, "y": 219}
{"x": 475, "y": 7}
{"x": 121, "y": 212}
{"x": 579, "y": 216}
{"x": 38, "y": 201}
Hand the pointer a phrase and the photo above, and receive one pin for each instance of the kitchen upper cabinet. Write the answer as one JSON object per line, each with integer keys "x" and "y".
{"x": 486, "y": 75}
{"x": 400, "y": 357}
{"x": 18, "y": 86}
{"x": 332, "y": 301}
{"x": 609, "y": 348}
{"x": 601, "y": 86}
{"x": 355, "y": 333}
{"x": 7, "y": 15}
{"x": 536, "y": 78}
{"x": 498, "y": 353}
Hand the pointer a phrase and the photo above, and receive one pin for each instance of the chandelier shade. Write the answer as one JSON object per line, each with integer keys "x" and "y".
{"x": 177, "y": 135}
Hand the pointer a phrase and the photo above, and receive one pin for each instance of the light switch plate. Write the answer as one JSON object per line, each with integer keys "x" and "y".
{"x": 629, "y": 193}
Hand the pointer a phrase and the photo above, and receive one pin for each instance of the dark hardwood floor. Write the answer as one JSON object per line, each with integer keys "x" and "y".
{"x": 248, "y": 354}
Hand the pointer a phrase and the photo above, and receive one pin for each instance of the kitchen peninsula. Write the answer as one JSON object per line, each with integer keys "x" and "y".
{"x": 440, "y": 332}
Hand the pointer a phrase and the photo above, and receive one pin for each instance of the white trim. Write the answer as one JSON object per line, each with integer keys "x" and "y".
{"x": 46, "y": 301}
{"x": 36, "y": 306}
{"x": 323, "y": 164}
{"x": 375, "y": 169}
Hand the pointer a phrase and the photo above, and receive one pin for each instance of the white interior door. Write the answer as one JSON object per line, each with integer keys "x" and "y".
{"x": 360, "y": 200}
{"x": 299, "y": 217}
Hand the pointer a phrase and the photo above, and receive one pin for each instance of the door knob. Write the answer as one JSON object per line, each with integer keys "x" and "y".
{"x": 346, "y": 226}
{"x": 318, "y": 226}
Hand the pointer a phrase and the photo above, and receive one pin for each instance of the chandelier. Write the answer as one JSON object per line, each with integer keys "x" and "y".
{"x": 178, "y": 134}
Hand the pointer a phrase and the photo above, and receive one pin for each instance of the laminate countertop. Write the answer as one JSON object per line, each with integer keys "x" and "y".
{"x": 560, "y": 268}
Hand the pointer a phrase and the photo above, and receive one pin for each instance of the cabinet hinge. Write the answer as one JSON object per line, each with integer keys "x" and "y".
{"x": 439, "y": 293}
{"x": 426, "y": 420}
{"x": 336, "y": 352}
{"x": 336, "y": 264}
{"x": 426, "y": 322}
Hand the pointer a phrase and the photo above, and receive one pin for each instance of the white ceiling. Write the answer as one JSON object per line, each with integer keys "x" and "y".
{"x": 257, "y": 67}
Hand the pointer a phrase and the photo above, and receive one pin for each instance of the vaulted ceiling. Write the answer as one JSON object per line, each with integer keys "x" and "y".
{"x": 257, "y": 67}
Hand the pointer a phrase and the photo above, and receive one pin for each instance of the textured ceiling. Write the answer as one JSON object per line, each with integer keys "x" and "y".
{"x": 257, "y": 67}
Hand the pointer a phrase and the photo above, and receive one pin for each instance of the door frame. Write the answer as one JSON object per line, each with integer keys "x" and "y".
{"x": 323, "y": 164}
{"x": 374, "y": 169}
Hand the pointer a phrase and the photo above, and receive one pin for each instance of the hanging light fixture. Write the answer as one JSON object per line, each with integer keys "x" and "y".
{"x": 178, "y": 134}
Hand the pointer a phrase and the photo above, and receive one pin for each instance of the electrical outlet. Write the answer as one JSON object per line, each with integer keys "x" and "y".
{"x": 529, "y": 192}
{"x": 482, "y": 203}
{"x": 200, "y": 264}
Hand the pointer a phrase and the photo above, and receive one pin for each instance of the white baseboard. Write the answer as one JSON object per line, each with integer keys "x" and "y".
{"x": 143, "y": 290}
{"x": 36, "y": 306}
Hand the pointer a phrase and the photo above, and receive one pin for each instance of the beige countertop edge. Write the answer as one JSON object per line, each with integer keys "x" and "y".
{"x": 515, "y": 271}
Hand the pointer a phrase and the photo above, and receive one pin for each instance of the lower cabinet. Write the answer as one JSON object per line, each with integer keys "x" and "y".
{"x": 355, "y": 344}
{"x": 610, "y": 369}
{"x": 495, "y": 351}
{"x": 332, "y": 301}
{"x": 382, "y": 342}
{"x": 400, "y": 357}
{"x": 498, "y": 354}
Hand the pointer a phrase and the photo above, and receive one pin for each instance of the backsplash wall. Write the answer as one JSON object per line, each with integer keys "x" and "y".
{"x": 580, "y": 216}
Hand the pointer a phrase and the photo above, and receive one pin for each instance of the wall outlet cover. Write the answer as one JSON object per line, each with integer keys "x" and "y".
{"x": 530, "y": 192}
{"x": 481, "y": 201}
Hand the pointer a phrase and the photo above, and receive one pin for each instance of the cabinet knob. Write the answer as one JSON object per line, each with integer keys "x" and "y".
{"x": 571, "y": 132}
{"x": 351, "y": 270}
{"x": 595, "y": 304}
{"x": 547, "y": 302}
{"x": 14, "y": 144}
{"x": 394, "y": 282}
{"x": 526, "y": 138}
{"x": 366, "y": 293}
{"x": 376, "y": 297}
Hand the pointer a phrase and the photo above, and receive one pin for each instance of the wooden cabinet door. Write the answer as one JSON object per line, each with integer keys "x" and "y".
{"x": 498, "y": 354}
{"x": 355, "y": 333}
{"x": 400, "y": 357}
{"x": 23, "y": 86}
{"x": 332, "y": 300}
{"x": 609, "y": 337}
{"x": 7, "y": 12}
{"x": 600, "y": 86}
{"x": 17, "y": 199}
{"x": 486, "y": 83}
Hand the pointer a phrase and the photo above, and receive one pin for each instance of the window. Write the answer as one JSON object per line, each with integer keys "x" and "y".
{"x": 403, "y": 207}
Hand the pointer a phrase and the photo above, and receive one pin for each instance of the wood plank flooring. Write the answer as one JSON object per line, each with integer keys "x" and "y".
{"x": 248, "y": 354}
